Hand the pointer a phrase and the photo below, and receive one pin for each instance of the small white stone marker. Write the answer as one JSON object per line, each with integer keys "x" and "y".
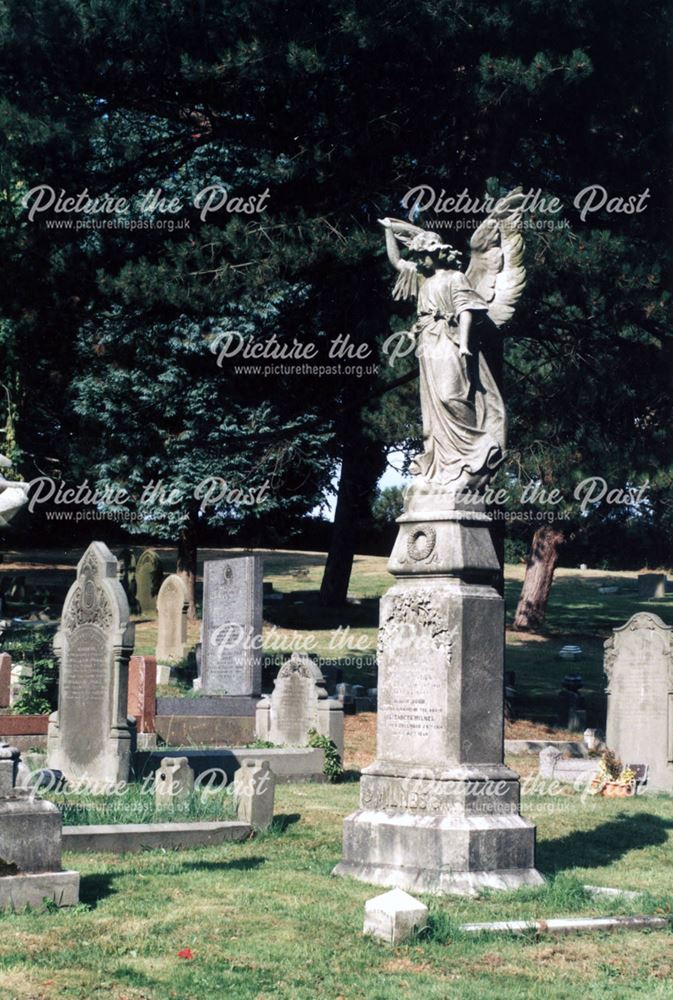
{"x": 394, "y": 916}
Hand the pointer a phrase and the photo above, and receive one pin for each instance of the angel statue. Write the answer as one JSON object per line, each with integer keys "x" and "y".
{"x": 464, "y": 423}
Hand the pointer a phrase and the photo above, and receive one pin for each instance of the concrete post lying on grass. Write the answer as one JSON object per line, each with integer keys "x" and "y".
{"x": 568, "y": 925}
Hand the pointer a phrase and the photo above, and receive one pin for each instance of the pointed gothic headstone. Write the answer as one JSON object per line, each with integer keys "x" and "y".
{"x": 89, "y": 735}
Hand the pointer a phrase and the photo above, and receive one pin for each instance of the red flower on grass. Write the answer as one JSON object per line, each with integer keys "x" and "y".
{"x": 186, "y": 953}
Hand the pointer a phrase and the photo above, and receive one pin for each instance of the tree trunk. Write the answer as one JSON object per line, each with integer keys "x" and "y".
{"x": 186, "y": 564}
{"x": 363, "y": 462}
{"x": 537, "y": 582}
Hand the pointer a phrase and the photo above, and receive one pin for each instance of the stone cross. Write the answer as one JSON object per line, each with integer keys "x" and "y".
{"x": 89, "y": 736}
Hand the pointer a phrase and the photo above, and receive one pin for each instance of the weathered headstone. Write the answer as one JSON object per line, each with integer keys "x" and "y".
{"x": 231, "y": 654}
{"x": 639, "y": 667}
{"x": 174, "y": 782}
{"x": 651, "y": 586}
{"x": 142, "y": 697}
{"x": 89, "y": 735}
{"x": 5, "y": 678}
{"x": 30, "y": 845}
{"x": 149, "y": 574}
{"x": 254, "y": 791}
{"x": 19, "y": 674}
{"x": 172, "y": 605}
{"x": 126, "y": 574}
{"x": 298, "y": 704}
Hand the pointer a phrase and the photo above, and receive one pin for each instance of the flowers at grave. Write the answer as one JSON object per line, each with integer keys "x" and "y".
{"x": 612, "y": 778}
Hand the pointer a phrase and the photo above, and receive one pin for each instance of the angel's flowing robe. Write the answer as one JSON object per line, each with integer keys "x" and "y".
{"x": 464, "y": 424}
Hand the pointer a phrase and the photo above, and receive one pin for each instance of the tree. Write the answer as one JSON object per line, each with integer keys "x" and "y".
{"x": 337, "y": 113}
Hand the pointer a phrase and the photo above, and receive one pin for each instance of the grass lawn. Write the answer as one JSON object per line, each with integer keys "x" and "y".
{"x": 265, "y": 919}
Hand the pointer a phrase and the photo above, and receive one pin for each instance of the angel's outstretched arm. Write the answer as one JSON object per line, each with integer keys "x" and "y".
{"x": 391, "y": 244}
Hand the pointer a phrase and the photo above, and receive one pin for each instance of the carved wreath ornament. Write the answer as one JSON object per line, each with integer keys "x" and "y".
{"x": 421, "y": 543}
{"x": 420, "y": 611}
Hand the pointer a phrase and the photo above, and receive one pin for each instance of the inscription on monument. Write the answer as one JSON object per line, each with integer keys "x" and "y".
{"x": 84, "y": 693}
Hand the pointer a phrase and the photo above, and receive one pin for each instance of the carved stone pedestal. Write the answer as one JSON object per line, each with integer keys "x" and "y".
{"x": 439, "y": 811}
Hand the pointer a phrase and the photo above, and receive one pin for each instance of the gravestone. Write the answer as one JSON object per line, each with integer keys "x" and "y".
{"x": 149, "y": 574}
{"x": 254, "y": 791}
{"x": 298, "y": 704}
{"x": 126, "y": 574}
{"x": 639, "y": 667}
{"x": 231, "y": 653}
{"x": 19, "y": 674}
{"x": 173, "y": 782}
{"x": 651, "y": 586}
{"x": 142, "y": 696}
{"x": 172, "y": 605}
{"x": 89, "y": 735}
{"x": 5, "y": 679}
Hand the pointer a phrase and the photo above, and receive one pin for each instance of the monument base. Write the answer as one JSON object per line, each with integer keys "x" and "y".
{"x": 439, "y": 810}
{"x": 35, "y": 889}
{"x": 439, "y": 854}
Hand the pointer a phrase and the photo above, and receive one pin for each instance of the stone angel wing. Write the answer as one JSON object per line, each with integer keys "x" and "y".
{"x": 496, "y": 268}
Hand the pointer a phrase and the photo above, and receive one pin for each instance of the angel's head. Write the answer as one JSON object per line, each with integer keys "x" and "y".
{"x": 430, "y": 253}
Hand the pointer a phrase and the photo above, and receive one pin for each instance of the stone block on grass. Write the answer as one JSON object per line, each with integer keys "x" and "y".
{"x": 394, "y": 916}
{"x": 254, "y": 792}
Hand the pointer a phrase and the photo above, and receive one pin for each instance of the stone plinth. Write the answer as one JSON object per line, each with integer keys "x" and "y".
{"x": 439, "y": 811}
{"x": 30, "y": 845}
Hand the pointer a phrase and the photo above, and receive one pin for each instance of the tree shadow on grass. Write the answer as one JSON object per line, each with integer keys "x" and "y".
{"x": 237, "y": 864}
{"x": 93, "y": 888}
{"x": 608, "y": 842}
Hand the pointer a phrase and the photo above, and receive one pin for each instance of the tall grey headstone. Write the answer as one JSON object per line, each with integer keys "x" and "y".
{"x": 231, "y": 654}
{"x": 299, "y": 703}
{"x": 89, "y": 736}
{"x": 439, "y": 810}
{"x": 172, "y": 604}
{"x": 149, "y": 574}
{"x": 639, "y": 667}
